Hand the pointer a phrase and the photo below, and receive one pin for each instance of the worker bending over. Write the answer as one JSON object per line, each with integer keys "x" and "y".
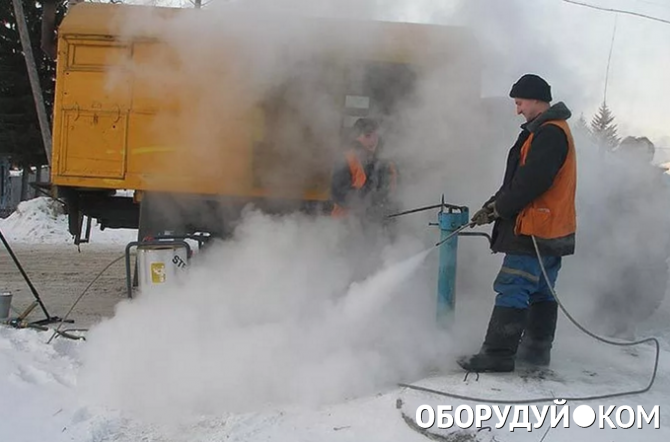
{"x": 537, "y": 198}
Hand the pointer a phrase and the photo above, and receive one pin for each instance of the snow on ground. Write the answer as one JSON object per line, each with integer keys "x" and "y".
{"x": 42, "y": 221}
{"x": 256, "y": 344}
{"x": 39, "y": 384}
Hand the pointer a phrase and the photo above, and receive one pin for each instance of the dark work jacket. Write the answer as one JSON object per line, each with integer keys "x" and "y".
{"x": 375, "y": 192}
{"x": 522, "y": 184}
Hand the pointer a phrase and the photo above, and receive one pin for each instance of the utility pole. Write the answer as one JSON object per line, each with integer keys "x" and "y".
{"x": 34, "y": 78}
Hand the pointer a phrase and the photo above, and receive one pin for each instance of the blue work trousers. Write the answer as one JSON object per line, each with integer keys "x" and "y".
{"x": 521, "y": 283}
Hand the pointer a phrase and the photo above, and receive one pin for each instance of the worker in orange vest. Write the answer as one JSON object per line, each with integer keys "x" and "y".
{"x": 362, "y": 184}
{"x": 536, "y": 199}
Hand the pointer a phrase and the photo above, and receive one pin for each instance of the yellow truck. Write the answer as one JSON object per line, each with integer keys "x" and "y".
{"x": 199, "y": 114}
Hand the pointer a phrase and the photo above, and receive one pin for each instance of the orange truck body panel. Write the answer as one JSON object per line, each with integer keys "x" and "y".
{"x": 117, "y": 127}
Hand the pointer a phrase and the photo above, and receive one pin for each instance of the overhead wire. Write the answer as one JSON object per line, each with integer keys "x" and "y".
{"x": 619, "y": 11}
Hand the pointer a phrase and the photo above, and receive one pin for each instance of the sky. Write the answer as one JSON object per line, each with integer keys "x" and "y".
{"x": 577, "y": 42}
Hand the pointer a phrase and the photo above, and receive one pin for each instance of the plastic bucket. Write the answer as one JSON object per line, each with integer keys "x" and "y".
{"x": 5, "y": 303}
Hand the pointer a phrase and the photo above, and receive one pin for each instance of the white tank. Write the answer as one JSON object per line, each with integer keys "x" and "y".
{"x": 158, "y": 265}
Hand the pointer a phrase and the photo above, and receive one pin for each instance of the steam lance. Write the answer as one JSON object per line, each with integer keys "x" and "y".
{"x": 452, "y": 220}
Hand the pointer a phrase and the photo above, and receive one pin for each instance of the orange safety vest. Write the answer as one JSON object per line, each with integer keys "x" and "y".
{"x": 394, "y": 175}
{"x": 552, "y": 214}
{"x": 358, "y": 180}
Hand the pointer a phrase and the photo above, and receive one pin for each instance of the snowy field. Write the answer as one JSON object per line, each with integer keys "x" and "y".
{"x": 265, "y": 338}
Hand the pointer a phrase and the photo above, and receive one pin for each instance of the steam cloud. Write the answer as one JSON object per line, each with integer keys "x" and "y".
{"x": 269, "y": 319}
{"x": 270, "y": 316}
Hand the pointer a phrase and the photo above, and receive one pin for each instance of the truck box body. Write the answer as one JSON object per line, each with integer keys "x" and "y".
{"x": 146, "y": 101}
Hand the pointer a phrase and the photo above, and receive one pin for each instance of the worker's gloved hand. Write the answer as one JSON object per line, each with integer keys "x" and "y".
{"x": 482, "y": 216}
{"x": 485, "y": 215}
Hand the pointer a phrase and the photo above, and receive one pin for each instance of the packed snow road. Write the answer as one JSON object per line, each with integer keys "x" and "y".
{"x": 60, "y": 273}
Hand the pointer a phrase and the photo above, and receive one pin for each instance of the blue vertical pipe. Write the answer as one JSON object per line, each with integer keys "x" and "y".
{"x": 446, "y": 282}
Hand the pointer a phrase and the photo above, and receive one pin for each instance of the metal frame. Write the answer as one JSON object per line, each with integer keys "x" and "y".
{"x": 38, "y": 300}
{"x": 201, "y": 239}
{"x": 485, "y": 235}
{"x": 129, "y": 284}
{"x": 452, "y": 220}
{"x": 449, "y": 222}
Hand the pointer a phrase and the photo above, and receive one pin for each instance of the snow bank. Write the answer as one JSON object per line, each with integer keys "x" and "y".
{"x": 42, "y": 221}
{"x": 36, "y": 380}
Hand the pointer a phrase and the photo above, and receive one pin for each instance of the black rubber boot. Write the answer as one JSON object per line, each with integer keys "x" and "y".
{"x": 500, "y": 345}
{"x": 536, "y": 343}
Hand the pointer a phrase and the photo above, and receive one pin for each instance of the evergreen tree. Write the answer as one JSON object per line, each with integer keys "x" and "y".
{"x": 582, "y": 127}
{"x": 20, "y": 136}
{"x": 603, "y": 129}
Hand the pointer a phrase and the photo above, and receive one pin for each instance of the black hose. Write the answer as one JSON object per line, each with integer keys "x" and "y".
{"x": 57, "y": 330}
{"x": 551, "y": 399}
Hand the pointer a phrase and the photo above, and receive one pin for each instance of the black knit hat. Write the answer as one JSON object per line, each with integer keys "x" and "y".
{"x": 364, "y": 126}
{"x": 532, "y": 87}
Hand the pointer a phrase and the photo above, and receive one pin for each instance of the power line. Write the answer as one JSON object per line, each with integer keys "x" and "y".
{"x": 620, "y": 11}
{"x": 609, "y": 58}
